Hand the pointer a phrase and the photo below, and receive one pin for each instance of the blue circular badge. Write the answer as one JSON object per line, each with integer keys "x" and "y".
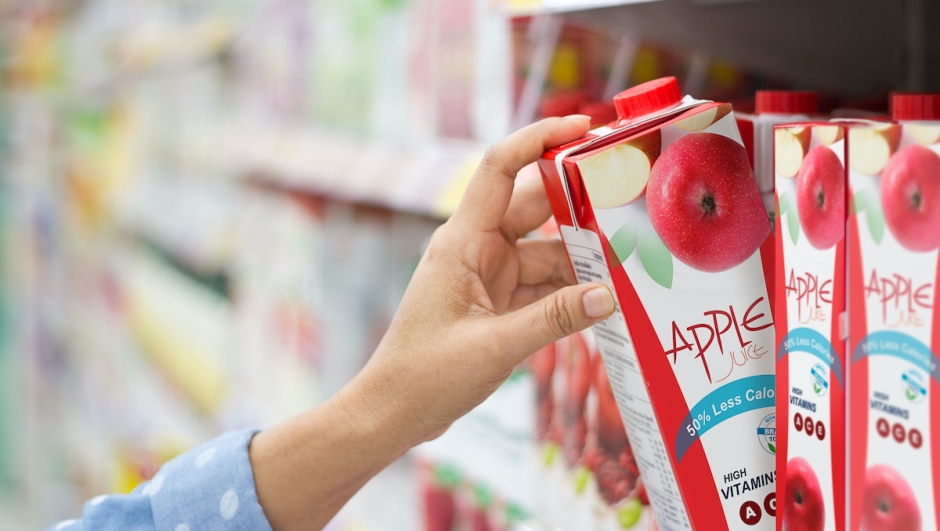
{"x": 914, "y": 385}
{"x": 819, "y": 379}
{"x": 767, "y": 433}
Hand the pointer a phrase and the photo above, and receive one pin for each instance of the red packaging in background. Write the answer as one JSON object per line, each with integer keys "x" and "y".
{"x": 771, "y": 107}
{"x": 811, "y": 190}
{"x": 894, "y": 328}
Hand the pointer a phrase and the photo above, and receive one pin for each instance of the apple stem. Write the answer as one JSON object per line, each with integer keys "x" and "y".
{"x": 884, "y": 506}
{"x": 799, "y": 497}
{"x": 915, "y": 199}
{"x": 820, "y": 199}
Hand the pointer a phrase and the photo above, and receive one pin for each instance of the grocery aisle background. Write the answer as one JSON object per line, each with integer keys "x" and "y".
{"x": 209, "y": 209}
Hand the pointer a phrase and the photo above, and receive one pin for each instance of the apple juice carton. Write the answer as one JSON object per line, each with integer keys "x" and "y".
{"x": 663, "y": 208}
{"x": 894, "y": 329}
{"x": 771, "y": 107}
{"x": 811, "y": 191}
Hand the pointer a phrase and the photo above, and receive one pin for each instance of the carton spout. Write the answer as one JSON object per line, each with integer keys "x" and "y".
{"x": 647, "y": 98}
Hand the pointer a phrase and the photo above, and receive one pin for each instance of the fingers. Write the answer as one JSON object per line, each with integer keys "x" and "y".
{"x": 526, "y": 294}
{"x": 544, "y": 261}
{"x": 529, "y": 207}
{"x": 551, "y": 318}
{"x": 487, "y": 196}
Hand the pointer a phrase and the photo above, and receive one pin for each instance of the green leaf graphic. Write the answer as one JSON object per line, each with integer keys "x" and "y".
{"x": 624, "y": 241}
{"x": 793, "y": 223}
{"x": 910, "y": 395}
{"x": 816, "y": 388}
{"x": 772, "y": 448}
{"x": 859, "y": 202}
{"x": 784, "y": 203}
{"x": 876, "y": 221}
{"x": 656, "y": 259}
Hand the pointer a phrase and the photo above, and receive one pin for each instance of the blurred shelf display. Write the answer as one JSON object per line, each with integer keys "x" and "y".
{"x": 426, "y": 179}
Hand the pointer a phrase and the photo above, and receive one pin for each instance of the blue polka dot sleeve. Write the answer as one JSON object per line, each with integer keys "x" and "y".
{"x": 209, "y": 487}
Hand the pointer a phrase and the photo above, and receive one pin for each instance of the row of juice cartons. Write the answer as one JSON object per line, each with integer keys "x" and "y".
{"x": 725, "y": 323}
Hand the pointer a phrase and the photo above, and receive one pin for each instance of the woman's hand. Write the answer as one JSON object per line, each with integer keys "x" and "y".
{"x": 452, "y": 342}
{"x": 479, "y": 303}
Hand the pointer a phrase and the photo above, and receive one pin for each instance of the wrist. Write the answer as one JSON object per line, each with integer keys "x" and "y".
{"x": 382, "y": 412}
{"x": 307, "y": 468}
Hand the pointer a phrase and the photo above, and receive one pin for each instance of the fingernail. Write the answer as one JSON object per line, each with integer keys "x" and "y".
{"x": 578, "y": 118}
{"x": 598, "y": 302}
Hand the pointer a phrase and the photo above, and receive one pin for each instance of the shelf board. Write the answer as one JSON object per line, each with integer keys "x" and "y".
{"x": 537, "y": 7}
{"x": 426, "y": 178}
{"x": 856, "y": 47}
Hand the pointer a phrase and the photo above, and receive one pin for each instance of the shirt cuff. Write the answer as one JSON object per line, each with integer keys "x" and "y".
{"x": 209, "y": 487}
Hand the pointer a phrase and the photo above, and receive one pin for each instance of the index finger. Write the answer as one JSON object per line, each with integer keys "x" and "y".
{"x": 486, "y": 199}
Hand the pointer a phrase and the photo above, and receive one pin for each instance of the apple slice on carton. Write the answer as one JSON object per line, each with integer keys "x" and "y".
{"x": 871, "y": 147}
{"x": 618, "y": 176}
{"x": 925, "y": 135}
{"x": 701, "y": 121}
{"x": 790, "y": 145}
{"x": 829, "y": 134}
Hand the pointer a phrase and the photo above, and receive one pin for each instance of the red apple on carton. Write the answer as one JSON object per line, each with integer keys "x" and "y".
{"x": 618, "y": 176}
{"x": 803, "y": 508}
{"x": 820, "y": 197}
{"x": 790, "y": 145}
{"x": 910, "y": 198}
{"x": 889, "y": 502}
{"x": 871, "y": 147}
{"x": 704, "y": 203}
{"x": 702, "y": 120}
{"x": 925, "y": 134}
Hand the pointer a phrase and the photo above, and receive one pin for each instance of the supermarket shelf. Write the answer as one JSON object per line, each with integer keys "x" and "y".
{"x": 851, "y": 46}
{"x": 426, "y": 179}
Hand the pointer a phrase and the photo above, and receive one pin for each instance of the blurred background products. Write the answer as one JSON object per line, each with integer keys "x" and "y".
{"x": 210, "y": 209}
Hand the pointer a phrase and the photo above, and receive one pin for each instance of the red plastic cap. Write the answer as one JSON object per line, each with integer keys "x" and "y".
{"x": 647, "y": 98}
{"x": 786, "y": 102}
{"x": 915, "y": 106}
{"x": 600, "y": 112}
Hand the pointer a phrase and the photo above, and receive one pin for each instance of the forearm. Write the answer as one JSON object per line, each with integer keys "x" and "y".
{"x": 480, "y": 301}
{"x": 308, "y": 467}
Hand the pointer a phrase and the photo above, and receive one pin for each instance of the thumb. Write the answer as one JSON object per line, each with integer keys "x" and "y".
{"x": 553, "y": 317}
